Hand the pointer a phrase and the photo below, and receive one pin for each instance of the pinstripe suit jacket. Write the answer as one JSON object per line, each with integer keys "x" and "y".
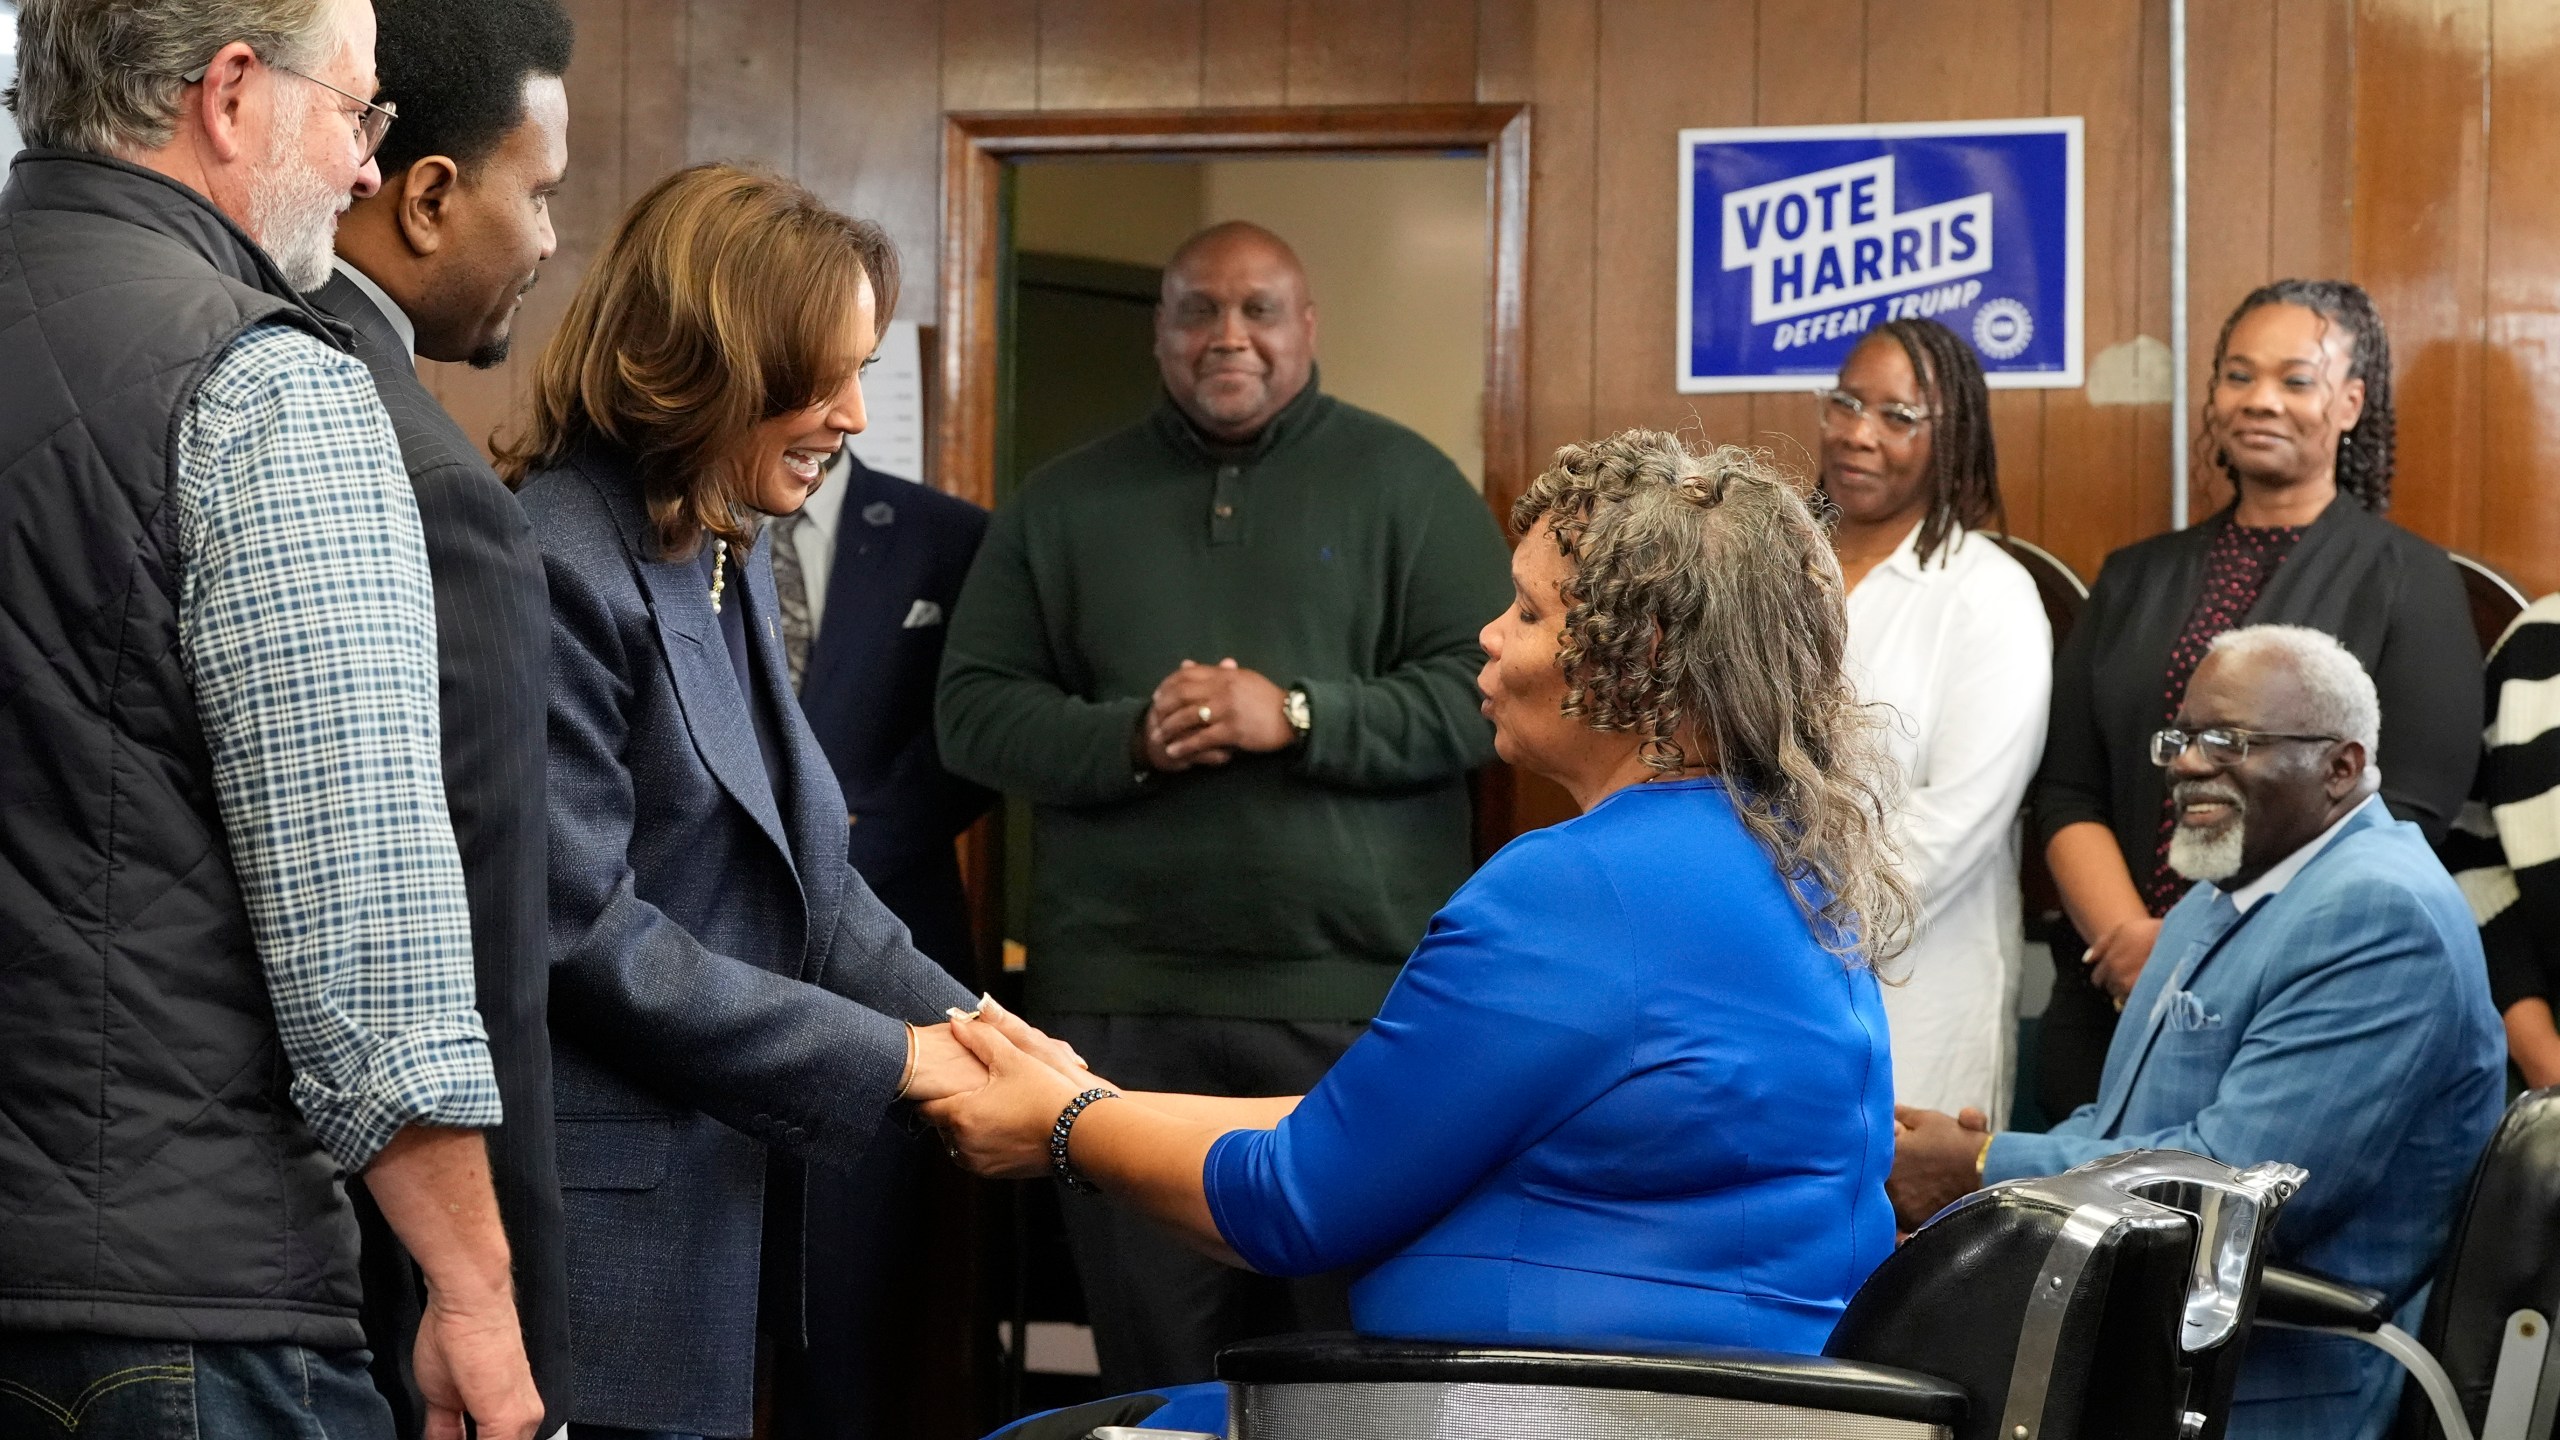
{"x": 869, "y": 697}
{"x": 2343, "y": 1025}
{"x": 493, "y": 644}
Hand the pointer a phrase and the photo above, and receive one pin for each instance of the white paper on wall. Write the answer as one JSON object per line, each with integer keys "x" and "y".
{"x": 893, "y": 394}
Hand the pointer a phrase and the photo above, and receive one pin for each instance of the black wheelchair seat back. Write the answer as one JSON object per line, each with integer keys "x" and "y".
{"x": 2064, "y": 1322}
{"x": 2503, "y": 1256}
{"x": 2108, "y": 1303}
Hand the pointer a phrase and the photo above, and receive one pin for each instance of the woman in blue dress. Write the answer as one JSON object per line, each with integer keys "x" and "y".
{"x": 1633, "y": 1084}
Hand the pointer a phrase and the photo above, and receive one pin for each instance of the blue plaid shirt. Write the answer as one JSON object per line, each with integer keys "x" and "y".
{"x": 306, "y": 618}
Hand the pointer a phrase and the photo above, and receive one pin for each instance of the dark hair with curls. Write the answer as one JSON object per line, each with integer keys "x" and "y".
{"x": 2365, "y": 451}
{"x": 1705, "y": 603}
{"x": 725, "y": 297}
{"x": 1964, "y": 462}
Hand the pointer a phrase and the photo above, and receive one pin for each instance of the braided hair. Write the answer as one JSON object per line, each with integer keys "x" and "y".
{"x": 2365, "y": 451}
{"x": 1964, "y": 464}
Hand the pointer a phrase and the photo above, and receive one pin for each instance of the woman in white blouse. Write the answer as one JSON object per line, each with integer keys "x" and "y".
{"x": 1946, "y": 630}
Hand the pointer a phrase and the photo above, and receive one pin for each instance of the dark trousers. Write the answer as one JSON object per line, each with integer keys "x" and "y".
{"x": 100, "y": 1387}
{"x": 867, "y": 1267}
{"x": 2071, "y": 1043}
{"x": 1161, "y": 1310}
{"x": 881, "y": 1237}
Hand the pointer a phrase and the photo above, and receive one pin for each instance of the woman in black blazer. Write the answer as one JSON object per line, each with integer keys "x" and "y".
{"x": 2299, "y": 417}
{"x": 729, "y": 1002}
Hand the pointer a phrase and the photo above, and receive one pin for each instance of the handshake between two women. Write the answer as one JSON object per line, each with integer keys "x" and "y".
{"x": 981, "y": 1077}
{"x": 1013, "y": 1103}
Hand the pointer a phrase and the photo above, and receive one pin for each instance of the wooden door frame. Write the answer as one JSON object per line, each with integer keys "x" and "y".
{"x": 977, "y": 145}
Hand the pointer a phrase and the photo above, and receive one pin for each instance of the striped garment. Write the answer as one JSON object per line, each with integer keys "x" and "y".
{"x": 306, "y": 618}
{"x": 2505, "y": 848}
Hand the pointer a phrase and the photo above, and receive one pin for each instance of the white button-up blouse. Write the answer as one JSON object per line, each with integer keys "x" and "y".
{"x": 1960, "y": 651}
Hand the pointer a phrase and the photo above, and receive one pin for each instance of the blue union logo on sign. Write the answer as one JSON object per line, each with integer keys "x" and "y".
{"x": 1795, "y": 242}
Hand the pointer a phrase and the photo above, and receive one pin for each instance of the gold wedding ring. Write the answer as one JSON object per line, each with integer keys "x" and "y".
{"x": 1205, "y": 715}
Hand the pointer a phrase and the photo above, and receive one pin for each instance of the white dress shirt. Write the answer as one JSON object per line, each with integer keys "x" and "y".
{"x": 1962, "y": 654}
{"x": 2281, "y": 873}
{"x": 401, "y": 324}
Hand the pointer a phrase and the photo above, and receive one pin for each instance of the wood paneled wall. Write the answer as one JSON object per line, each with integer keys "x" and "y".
{"x": 2456, "y": 230}
{"x": 2405, "y": 143}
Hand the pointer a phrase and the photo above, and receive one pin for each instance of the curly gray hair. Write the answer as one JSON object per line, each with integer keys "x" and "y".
{"x": 1705, "y": 603}
{"x": 105, "y": 76}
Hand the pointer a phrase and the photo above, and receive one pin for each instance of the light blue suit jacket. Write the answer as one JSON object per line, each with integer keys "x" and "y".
{"x": 2343, "y": 1024}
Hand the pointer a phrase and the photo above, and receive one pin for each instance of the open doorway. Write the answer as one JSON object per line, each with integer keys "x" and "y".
{"x": 1250, "y": 160}
{"x": 1396, "y": 255}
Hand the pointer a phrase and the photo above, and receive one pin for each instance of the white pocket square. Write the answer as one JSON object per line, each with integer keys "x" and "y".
{"x": 922, "y": 614}
{"x": 2186, "y": 1012}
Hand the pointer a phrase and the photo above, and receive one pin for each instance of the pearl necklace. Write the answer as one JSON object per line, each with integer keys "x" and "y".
{"x": 719, "y": 572}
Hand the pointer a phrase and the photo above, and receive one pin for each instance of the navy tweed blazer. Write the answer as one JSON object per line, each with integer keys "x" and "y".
{"x": 724, "y": 986}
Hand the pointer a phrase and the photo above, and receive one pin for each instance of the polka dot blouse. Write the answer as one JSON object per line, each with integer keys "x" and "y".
{"x": 2242, "y": 559}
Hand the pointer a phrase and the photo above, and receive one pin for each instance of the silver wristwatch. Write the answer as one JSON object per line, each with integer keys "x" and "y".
{"x": 1302, "y": 717}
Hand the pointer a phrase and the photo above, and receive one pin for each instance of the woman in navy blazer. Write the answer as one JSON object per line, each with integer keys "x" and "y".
{"x": 729, "y": 1003}
{"x": 1634, "y": 1084}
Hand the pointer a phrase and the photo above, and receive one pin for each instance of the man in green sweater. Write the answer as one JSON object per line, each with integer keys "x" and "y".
{"x": 1229, "y": 653}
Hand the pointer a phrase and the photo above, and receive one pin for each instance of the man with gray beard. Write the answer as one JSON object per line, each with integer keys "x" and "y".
{"x": 2324, "y": 1002}
{"x": 235, "y": 951}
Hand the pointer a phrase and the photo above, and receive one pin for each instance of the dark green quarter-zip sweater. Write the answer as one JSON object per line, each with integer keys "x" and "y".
{"x": 1339, "y": 552}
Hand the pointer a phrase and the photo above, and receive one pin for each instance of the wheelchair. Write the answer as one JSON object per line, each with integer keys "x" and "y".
{"x": 2482, "y": 1361}
{"x": 2111, "y": 1302}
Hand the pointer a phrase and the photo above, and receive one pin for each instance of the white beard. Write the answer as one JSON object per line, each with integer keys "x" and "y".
{"x": 294, "y": 210}
{"x": 2208, "y": 855}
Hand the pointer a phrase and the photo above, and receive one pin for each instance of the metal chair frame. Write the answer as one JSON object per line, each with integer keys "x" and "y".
{"x": 2524, "y": 1382}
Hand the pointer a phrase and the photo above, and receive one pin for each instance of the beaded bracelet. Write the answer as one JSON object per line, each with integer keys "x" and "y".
{"x": 1068, "y": 1174}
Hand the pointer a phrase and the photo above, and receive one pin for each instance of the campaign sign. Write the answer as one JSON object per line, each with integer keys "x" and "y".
{"x": 1794, "y": 242}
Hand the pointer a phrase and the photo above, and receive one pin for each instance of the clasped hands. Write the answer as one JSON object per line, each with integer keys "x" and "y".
{"x": 994, "y": 1084}
{"x": 1204, "y": 714}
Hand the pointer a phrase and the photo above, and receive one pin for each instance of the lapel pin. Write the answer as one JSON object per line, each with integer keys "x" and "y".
{"x": 879, "y": 512}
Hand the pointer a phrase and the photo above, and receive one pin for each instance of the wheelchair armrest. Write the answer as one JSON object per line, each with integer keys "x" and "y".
{"x": 1811, "y": 1382}
{"x": 2297, "y": 1297}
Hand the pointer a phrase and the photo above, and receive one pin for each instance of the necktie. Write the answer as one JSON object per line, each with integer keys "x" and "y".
{"x": 793, "y": 591}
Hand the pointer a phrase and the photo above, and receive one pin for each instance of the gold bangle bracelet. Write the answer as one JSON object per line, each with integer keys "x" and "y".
{"x": 1982, "y": 1157}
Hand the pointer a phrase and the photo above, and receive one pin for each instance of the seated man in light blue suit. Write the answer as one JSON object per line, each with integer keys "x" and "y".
{"x": 2319, "y": 998}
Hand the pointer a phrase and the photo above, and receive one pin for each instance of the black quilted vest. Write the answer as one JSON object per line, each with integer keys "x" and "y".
{"x": 155, "y": 1180}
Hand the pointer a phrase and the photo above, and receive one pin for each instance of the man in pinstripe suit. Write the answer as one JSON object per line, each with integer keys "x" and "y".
{"x": 435, "y": 265}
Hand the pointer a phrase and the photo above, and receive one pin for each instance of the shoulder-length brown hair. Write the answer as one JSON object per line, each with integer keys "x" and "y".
{"x": 725, "y": 297}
